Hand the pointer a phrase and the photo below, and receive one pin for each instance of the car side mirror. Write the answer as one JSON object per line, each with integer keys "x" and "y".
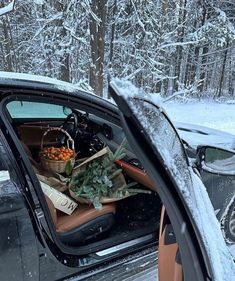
{"x": 216, "y": 160}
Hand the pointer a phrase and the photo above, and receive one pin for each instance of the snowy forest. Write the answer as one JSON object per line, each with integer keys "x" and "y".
{"x": 172, "y": 47}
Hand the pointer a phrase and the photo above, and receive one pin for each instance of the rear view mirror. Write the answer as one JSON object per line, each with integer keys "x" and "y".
{"x": 217, "y": 160}
{"x": 66, "y": 110}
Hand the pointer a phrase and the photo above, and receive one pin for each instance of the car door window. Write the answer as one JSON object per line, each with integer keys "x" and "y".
{"x": 26, "y": 109}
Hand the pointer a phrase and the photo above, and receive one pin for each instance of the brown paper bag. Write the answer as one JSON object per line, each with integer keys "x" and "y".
{"x": 83, "y": 165}
{"x": 59, "y": 183}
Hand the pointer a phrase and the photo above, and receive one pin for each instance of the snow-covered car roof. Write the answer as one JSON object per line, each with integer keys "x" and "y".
{"x": 13, "y": 78}
{"x": 196, "y": 135}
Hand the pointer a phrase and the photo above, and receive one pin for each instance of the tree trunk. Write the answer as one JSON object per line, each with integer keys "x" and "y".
{"x": 97, "y": 44}
{"x": 183, "y": 65}
{"x": 170, "y": 87}
{"x": 220, "y": 89}
{"x": 113, "y": 28}
{"x": 64, "y": 61}
{"x": 180, "y": 37}
{"x": 7, "y": 46}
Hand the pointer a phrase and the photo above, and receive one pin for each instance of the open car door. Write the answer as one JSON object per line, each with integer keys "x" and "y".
{"x": 185, "y": 237}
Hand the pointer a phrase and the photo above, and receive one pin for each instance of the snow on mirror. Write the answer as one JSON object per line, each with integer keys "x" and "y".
{"x": 164, "y": 137}
{"x": 220, "y": 160}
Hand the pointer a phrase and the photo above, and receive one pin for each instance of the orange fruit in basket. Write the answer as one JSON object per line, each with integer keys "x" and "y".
{"x": 55, "y": 153}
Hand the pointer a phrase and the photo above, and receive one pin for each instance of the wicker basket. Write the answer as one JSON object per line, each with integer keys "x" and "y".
{"x": 57, "y": 166}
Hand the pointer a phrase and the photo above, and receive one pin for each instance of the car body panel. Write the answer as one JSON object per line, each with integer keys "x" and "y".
{"x": 18, "y": 243}
{"x": 220, "y": 184}
{"x": 220, "y": 189}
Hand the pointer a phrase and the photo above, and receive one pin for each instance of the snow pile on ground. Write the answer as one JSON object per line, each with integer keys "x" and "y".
{"x": 7, "y": 9}
{"x": 220, "y": 116}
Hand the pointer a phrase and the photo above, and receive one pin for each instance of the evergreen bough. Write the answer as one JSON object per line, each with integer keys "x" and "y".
{"x": 102, "y": 178}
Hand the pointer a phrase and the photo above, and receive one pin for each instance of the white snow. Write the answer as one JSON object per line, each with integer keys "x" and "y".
{"x": 39, "y": 2}
{"x": 211, "y": 114}
{"x": 31, "y": 77}
{"x": 198, "y": 135}
{"x": 8, "y": 8}
{"x": 128, "y": 89}
{"x": 217, "y": 119}
{"x": 4, "y": 175}
{"x": 220, "y": 116}
{"x": 57, "y": 84}
{"x": 64, "y": 86}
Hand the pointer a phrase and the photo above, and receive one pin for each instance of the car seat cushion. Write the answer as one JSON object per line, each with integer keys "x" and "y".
{"x": 87, "y": 231}
{"x": 83, "y": 214}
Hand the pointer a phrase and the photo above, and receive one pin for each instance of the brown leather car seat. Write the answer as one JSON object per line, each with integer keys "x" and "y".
{"x": 83, "y": 224}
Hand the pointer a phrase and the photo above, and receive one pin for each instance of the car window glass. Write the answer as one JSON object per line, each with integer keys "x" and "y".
{"x": 25, "y": 109}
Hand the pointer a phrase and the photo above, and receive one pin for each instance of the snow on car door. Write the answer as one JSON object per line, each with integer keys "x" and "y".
{"x": 156, "y": 142}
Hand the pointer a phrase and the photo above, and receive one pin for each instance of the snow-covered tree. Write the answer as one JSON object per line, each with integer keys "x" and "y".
{"x": 174, "y": 47}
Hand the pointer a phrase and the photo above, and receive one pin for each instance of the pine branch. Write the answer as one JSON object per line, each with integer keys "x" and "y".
{"x": 101, "y": 179}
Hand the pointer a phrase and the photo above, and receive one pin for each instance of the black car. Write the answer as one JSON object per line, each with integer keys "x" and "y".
{"x": 173, "y": 223}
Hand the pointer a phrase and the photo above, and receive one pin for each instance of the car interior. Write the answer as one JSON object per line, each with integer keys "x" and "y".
{"x": 126, "y": 219}
{"x": 127, "y": 224}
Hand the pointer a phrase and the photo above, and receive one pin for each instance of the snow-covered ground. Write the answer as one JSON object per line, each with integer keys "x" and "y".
{"x": 8, "y": 8}
{"x": 219, "y": 116}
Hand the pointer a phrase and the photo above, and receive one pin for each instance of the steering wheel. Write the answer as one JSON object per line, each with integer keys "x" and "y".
{"x": 71, "y": 125}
